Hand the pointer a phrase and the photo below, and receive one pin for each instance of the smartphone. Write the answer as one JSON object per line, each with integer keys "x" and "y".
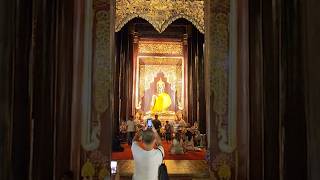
{"x": 114, "y": 167}
{"x": 149, "y": 123}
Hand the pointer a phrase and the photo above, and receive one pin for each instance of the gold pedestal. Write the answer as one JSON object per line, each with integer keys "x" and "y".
{"x": 163, "y": 116}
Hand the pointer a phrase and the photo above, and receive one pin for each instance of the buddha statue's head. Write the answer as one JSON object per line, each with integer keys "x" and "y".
{"x": 160, "y": 86}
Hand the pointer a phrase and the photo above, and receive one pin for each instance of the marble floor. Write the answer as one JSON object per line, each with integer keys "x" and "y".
{"x": 177, "y": 169}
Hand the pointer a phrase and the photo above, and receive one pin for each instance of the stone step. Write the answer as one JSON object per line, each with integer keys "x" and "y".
{"x": 177, "y": 169}
{"x": 173, "y": 178}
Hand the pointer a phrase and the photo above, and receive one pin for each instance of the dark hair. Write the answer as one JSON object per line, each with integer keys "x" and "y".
{"x": 189, "y": 135}
{"x": 68, "y": 175}
{"x": 167, "y": 121}
{"x": 178, "y": 136}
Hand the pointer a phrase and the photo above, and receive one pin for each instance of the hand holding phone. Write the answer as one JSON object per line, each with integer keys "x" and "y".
{"x": 149, "y": 123}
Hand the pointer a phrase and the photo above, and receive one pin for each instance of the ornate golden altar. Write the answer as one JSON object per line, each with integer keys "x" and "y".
{"x": 159, "y": 83}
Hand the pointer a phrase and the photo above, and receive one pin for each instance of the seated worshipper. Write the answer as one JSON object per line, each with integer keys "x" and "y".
{"x": 116, "y": 145}
{"x": 176, "y": 147}
{"x": 189, "y": 144}
{"x": 197, "y": 137}
{"x": 182, "y": 123}
{"x": 183, "y": 133}
{"x": 195, "y": 125}
{"x": 179, "y": 119}
{"x": 140, "y": 124}
{"x": 168, "y": 131}
{"x": 147, "y": 158}
{"x": 136, "y": 121}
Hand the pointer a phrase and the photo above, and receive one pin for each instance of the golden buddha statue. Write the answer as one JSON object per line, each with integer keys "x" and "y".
{"x": 162, "y": 101}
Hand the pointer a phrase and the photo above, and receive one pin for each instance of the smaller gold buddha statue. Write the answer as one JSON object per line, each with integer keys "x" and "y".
{"x": 162, "y": 101}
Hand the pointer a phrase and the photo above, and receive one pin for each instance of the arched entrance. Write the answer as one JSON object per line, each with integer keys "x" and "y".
{"x": 226, "y": 90}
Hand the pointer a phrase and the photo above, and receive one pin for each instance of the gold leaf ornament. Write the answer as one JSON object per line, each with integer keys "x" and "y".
{"x": 224, "y": 171}
{"x": 87, "y": 170}
{"x": 103, "y": 173}
{"x": 160, "y": 13}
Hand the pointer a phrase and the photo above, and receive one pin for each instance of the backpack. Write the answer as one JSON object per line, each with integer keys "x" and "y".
{"x": 162, "y": 172}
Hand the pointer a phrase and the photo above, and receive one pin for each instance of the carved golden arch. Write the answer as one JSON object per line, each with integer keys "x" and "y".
{"x": 160, "y": 13}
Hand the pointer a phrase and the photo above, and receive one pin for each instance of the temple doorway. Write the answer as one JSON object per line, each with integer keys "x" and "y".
{"x": 175, "y": 59}
{"x": 161, "y": 74}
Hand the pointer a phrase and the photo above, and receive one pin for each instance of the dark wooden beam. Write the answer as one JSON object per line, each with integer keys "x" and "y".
{"x": 243, "y": 86}
{"x": 270, "y": 44}
{"x": 78, "y": 61}
{"x": 15, "y": 97}
{"x": 63, "y": 87}
{"x": 256, "y": 90}
{"x": 310, "y": 38}
{"x": 7, "y": 45}
{"x": 21, "y": 142}
{"x": 292, "y": 95}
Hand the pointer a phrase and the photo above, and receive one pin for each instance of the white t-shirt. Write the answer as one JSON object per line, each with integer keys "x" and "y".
{"x": 146, "y": 162}
{"x": 131, "y": 126}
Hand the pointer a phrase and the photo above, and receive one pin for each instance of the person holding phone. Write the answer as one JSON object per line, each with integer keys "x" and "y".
{"x": 147, "y": 157}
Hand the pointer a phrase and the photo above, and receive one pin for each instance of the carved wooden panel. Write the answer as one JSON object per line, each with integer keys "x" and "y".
{"x": 160, "y": 13}
{"x": 97, "y": 137}
{"x": 222, "y": 135}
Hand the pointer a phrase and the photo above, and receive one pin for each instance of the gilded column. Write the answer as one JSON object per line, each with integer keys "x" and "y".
{"x": 186, "y": 85}
{"x": 135, "y": 98}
